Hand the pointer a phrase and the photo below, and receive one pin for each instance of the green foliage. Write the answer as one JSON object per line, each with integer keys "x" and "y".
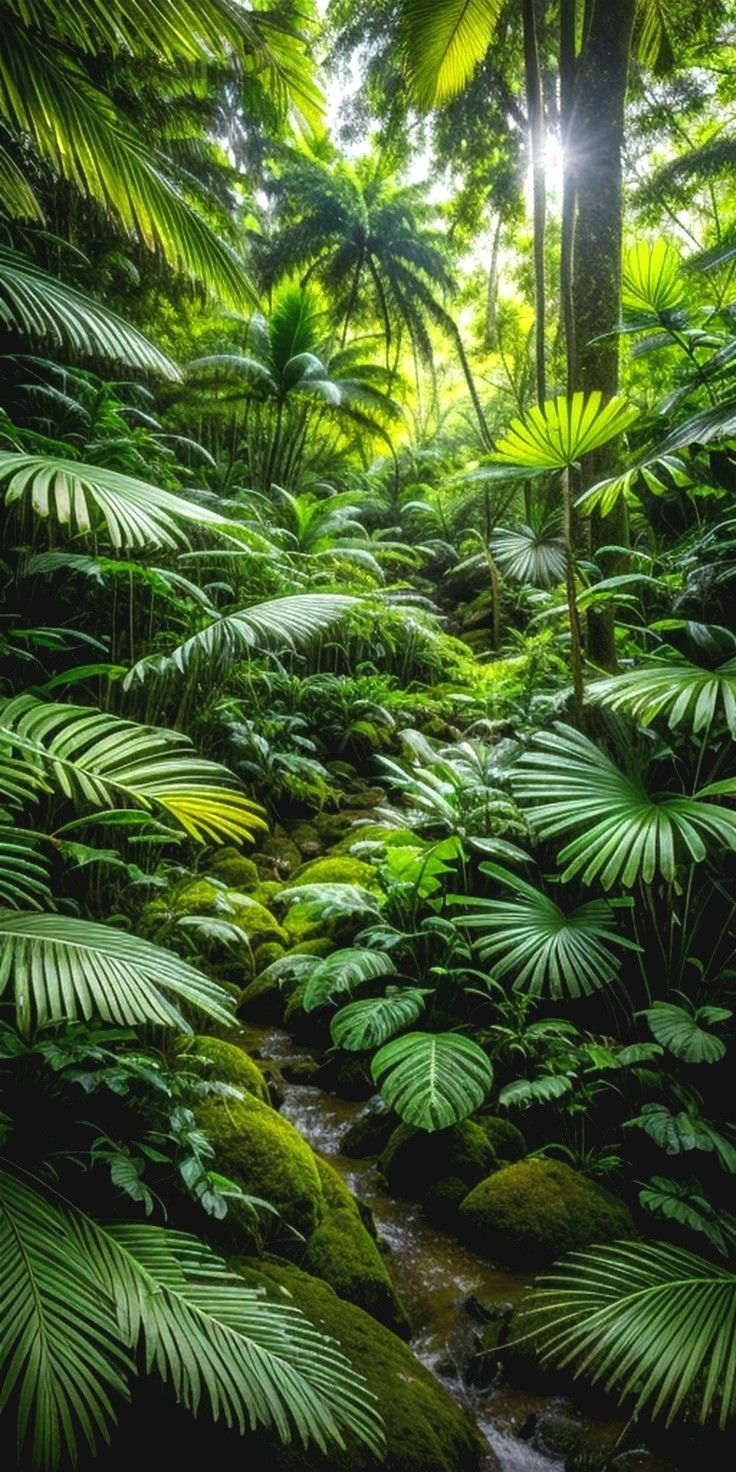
{"x": 344, "y": 971}
{"x": 445, "y": 43}
{"x": 432, "y": 1080}
{"x": 681, "y": 1031}
{"x": 368, "y": 1024}
{"x": 559, "y": 434}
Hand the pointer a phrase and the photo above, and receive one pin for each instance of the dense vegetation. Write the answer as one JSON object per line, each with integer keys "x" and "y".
{"x": 369, "y": 669}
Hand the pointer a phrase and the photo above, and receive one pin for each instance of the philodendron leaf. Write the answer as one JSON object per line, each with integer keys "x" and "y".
{"x": 432, "y": 1080}
{"x": 681, "y": 1031}
{"x": 368, "y": 1023}
{"x": 525, "y": 1091}
{"x": 343, "y": 972}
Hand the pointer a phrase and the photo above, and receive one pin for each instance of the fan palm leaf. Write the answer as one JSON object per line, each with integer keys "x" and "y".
{"x": 101, "y": 759}
{"x": 529, "y": 556}
{"x": 629, "y": 834}
{"x": 37, "y": 305}
{"x": 648, "y": 1319}
{"x": 432, "y": 1080}
{"x": 651, "y": 280}
{"x": 82, "y": 497}
{"x": 61, "y": 967}
{"x": 557, "y": 434}
{"x": 549, "y": 951}
{"x": 685, "y": 692}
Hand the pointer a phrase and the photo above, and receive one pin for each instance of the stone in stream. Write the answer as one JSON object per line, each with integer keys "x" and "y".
{"x": 528, "y": 1214}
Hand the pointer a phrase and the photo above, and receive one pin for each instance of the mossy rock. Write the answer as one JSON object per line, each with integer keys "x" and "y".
{"x": 414, "y": 1159}
{"x": 201, "y": 897}
{"x": 307, "y": 839}
{"x": 284, "y": 853}
{"x": 507, "y": 1141}
{"x": 330, "y": 826}
{"x": 426, "y": 1430}
{"x": 264, "y": 955}
{"x": 337, "y": 1196}
{"x": 345, "y": 1074}
{"x": 379, "y": 833}
{"x": 234, "y": 869}
{"x": 320, "y": 945}
{"x": 337, "y": 870}
{"x": 258, "y": 923}
{"x": 528, "y": 1214}
{"x": 267, "y": 1157}
{"x": 266, "y": 892}
{"x": 343, "y": 1254}
{"x": 442, "y": 1202}
{"x": 363, "y": 797}
{"x": 262, "y": 1001}
{"x": 300, "y": 1071}
{"x": 300, "y": 924}
{"x": 368, "y": 1135}
{"x": 226, "y": 1062}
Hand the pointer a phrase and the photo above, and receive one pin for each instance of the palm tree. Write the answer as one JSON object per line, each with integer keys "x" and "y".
{"x": 373, "y": 245}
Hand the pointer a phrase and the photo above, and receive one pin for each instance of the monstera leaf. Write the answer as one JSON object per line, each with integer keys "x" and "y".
{"x": 432, "y": 1080}
{"x": 681, "y": 1031}
{"x": 344, "y": 972}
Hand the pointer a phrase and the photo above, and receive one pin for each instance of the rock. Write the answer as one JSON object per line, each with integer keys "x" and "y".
{"x": 265, "y": 1155}
{"x": 233, "y": 869}
{"x": 264, "y": 1000}
{"x": 528, "y": 1214}
{"x": 265, "y": 954}
{"x": 414, "y": 1159}
{"x": 363, "y": 797}
{"x": 347, "y": 1075}
{"x": 284, "y": 853}
{"x": 379, "y": 834}
{"x": 369, "y": 1134}
{"x": 335, "y": 1192}
{"x": 337, "y": 870}
{"x": 307, "y": 840}
{"x": 224, "y": 1061}
{"x": 343, "y": 1254}
{"x": 258, "y": 923}
{"x": 506, "y": 1139}
{"x": 300, "y": 1071}
{"x": 442, "y": 1202}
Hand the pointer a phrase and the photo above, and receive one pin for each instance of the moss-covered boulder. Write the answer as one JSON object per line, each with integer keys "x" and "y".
{"x": 343, "y": 1254}
{"x": 528, "y": 1214}
{"x": 258, "y": 923}
{"x": 378, "y": 833}
{"x": 369, "y": 1134}
{"x": 266, "y": 892}
{"x": 442, "y": 1202}
{"x": 426, "y": 1431}
{"x": 265, "y": 955}
{"x": 200, "y": 897}
{"x": 284, "y": 853}
{"x": 506, "y": 1139}
{"x": 265, "y": 1155}
{"x": 320, "y": 945}
{"x": 307, "y": 840}
{"x": 226, "y": 1062}
{"x": 263, "y": 1000}
{"x": 414, "y": 1160}
{"x": 335, "y": 1193}
{"x": 338, "y": 869}
{"x": 233, "y": 869}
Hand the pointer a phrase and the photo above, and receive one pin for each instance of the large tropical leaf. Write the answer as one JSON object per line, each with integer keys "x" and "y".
{"x": 281, "y": 622}
{"x": 651, "y": 280}
{"x": 547, "y": 950}
{"x": 62, "y": 967}
{"x": 683, "y": 691}
{"x": 681, "y": 1030}
{"x": 445, "y": 40}
{"x": 87, "y": 497}
{"x": 650, "y": 1320}
{"x": 37, "y": 305}
{"x": 628, "y": 833}
{"x": 369, "y": 1023}
{"x": 529, "y": 556}
{"x": 432, "y": 1079}
{"x": 559, "y": 433}
{"x": 92, "y": 757}
{"x": 344, "y": 972}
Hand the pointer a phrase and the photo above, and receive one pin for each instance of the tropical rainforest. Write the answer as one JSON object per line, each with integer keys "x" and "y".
{"x": 367, "y": 719}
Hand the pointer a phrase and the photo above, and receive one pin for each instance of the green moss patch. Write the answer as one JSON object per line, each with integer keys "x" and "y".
{"x": 530, "y": 1213}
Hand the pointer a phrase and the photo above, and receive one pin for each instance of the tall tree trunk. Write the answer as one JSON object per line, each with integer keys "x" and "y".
{"x": 535, "y": 112}
{"x": 492, "y": 289}
{"x": 597, "y": 139}
{"x": 568, "y": 20}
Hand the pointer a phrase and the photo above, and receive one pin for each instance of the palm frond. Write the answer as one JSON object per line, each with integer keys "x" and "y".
{"x": 61, "y": 967}
{"x": 651, "y": 279}
{"x": 682, "y": 691}
{"x": 529, "y": 556}
{"x": 444, "y": 43}
{"x": 23, "y": 870}
{"x": 432, "y": 1080}
{"x": 650, "y": 1320}
{"x": 559, "y": 433}
{"x": 286, "y": 623}
{"x": 101, "y": 759}
{"x": 17, "y": 199}
{"x": 37, "y": 305}
{"x": 86, "y": 497}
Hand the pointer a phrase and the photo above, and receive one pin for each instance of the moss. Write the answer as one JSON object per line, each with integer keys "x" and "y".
{"x": 339, "y": 870}
{"x": 320, "y": 945}
{"x": 226, "y": 1062}
{"x": 307, "y": 839}
{"x": 266, "y": 891}
{"x": 201, "y": 897}
{"x": 267, "y": 1157}
{"x": 258, "y": 923}
{"x": 336, "y": 1195}
{"x": 233, "y": 869}
{"x": 378, "y": 833}
{"x": 267, "y": 953}
{"x": 507, "y": 1141}
{"x": 284, "y": 852}
{"x": 530, "y": 1213}
{"x": 442, "y": 1202}
{"x": 413, "y": 1159}
{"x": 364, "y": 797}
{"x": 343, "y": 1254}
{"x": 262, "y": 1001}
{"x": 300, "y": 925}
{"x": 329, "y": 826}
{"x": 426, "y": 1431}
{"x": 368, "y": 1135}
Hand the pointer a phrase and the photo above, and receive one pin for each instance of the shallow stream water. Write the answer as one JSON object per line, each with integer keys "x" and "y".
{"x": 434, "y": 1273}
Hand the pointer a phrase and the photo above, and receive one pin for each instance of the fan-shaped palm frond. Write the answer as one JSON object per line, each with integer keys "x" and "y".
{"x": 93, "y": 757}
{"x": 683, "y": 691}
{"x": 557, "y": 434}
{"x": 629, "y": 834}
{"x": 432, "y": 1080}
{"x": 62, "y": 967}
{"x": 651, "y": 280}
{"x": 344, "y": 972}
{"x": 85, "y": 497}
{"x": 529, "y": 556}
{"x": 369, "y": 1023}
{"x": 37, "y": 305}
{"x": 549, "y": 951}
{"x": 288, "y": 623}
{"x": 444, "y": 44}
{"x": 648, "y": 1319}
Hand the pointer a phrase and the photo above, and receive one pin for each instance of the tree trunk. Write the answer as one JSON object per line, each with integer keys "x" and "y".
{"x": 535, "y": 112}
{"x": 597, "y": 139}
{"x": 568, "y": 16}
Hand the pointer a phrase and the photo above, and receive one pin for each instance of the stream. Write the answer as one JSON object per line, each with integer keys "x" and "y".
{"x": 434, "y": 1274}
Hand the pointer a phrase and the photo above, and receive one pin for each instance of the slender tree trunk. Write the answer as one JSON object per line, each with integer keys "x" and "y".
{"x": 568, "y": 18}
{"x": 535, "y": 112}
{"x": 597, "y": 139}
{"x": 492, "y": 289}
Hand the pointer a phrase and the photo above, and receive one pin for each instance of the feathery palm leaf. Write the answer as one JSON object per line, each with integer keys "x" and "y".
{"x": 17, "y": 199}
{"x": 288, "y": 623}
{"x": 23, "y": 870}
{"x": 82, "y": 497}
{"x": 629, "y": 834}
{"x": 62, "y": 967}
{"x": 36, "y": 304}
{"x": 444, "y": 43}
{"x": 432, "y": 1080}
{"x": 93, "y": 757}
{"x": 549, "y": 951}
{"x": 683, "y": 691}
{"x": 649, "y": 1319}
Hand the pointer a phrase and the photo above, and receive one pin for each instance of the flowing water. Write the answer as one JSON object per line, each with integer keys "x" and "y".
{"x": 433, "y": 1272}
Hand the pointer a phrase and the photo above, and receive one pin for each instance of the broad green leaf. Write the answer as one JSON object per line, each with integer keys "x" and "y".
{"x": 344, "y": 972}
{"x": 432, "y": 1080}
{"x": 543, "y": 1090}
{"x": 680, "y": 1030}
{"x": 559, "y": 433}
{"x": 369, "y": 1023}
{"x": 445, "y": 40}
{"x": 651, "y": 280}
